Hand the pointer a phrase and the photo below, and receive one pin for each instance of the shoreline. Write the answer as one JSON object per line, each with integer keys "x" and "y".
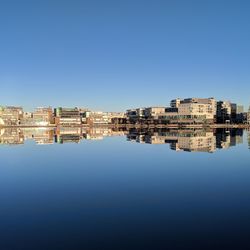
{"x": 171, "y": 126}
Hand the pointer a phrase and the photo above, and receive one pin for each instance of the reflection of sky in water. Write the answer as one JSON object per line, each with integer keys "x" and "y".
{"x": 117, "y": 194}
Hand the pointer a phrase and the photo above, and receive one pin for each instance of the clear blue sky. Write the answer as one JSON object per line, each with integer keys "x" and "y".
{"x": 113, "y": 54}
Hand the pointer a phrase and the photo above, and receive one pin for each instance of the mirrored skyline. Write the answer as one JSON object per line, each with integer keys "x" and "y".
{"x": 189, "y": 140}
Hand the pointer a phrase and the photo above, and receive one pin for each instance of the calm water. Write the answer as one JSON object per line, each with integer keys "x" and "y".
{"x": 124, "y": 189}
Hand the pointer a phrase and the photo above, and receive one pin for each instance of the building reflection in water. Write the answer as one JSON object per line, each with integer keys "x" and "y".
{"x": 16, "y": 136}
{"x": 248, "y": 138}
{"x": 189, "y": 140}
{"x": 179, "y": 140}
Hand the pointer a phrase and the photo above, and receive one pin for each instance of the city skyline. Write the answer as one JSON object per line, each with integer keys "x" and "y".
{"x": 118, "y": 55}
{"x": 188, "y": 111}
{"x": 123, "y": 109}
{"x": 205, "y": 141}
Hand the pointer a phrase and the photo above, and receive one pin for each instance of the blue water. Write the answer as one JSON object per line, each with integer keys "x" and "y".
{"x": 118, "y": 194}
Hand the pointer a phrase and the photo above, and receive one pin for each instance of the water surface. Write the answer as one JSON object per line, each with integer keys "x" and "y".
{"x": 105, "y": 189}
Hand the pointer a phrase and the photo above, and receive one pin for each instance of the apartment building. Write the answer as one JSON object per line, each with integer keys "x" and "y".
{"x": 154, "y": 112}
{"x": 11, "y": 115}
{"x": 240, "y": 115}
{"x": 96, "y": 117}
{"x": 67, "y": 116}
{"x": 198, "y": 108}
{"x": 175, "y": 103}
{"x": 43, "y": 116}
{"x": 224, "y": 111}
{"x": 116, "y": 117}
{"x": 191, "y": 110}
{"x": 186, "y": 110}
{"x": 134, "y": 115}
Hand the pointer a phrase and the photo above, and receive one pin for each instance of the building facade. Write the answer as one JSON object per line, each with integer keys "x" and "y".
{"x": 248, "y": 116}
{"x": 67, "y": 116}
{"x": 43, "y": 116}
{"x": 224, "y": 111}
{"x": 198, "y": 108}
{"x": 11, "y": 115}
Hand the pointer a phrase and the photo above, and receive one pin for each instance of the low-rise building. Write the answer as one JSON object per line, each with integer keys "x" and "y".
{"x": 11, "y": 115}
{"x": 116, "y": 117}
{"x": 154, "y": 112}
{"x": 135, "y": 115}
{"x": 67, "y": 116}
{"x": 201, "y": 109}
{"x": 43, "y": 116}
{"x": 98, "y": 117}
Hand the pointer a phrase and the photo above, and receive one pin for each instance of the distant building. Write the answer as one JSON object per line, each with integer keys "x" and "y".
{"x": 154, "y": 112}
{"x": 43, "y": 116}
{"x": 240, "y": 115}
{"x": 131, "y": 114}
{"x": 200, "y": 109}
{"x": 248, "y": 116}
{"x": 116, "y": 117}
{"x": 27, "y": 115}
{"x": 233, "y": 117}
{"x": 175, "y": 103}
{"x": 11, "y": 115}
{"x": 27, "y": 119}
{"x": 240, "y": 109}
{"x": 67, "y": 116}
{"x": 187, "y": 110}
{"x": 224, "y": 111}
{"x": 96, "y": 117}
{"x": 135, "y": 115}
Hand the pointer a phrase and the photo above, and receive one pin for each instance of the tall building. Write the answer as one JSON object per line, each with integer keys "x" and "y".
{"x": 224, "y": 111}
{"x": 240, "y": 109}
{"x": 240, "y": 116}
{"x": 233, "y": 112}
